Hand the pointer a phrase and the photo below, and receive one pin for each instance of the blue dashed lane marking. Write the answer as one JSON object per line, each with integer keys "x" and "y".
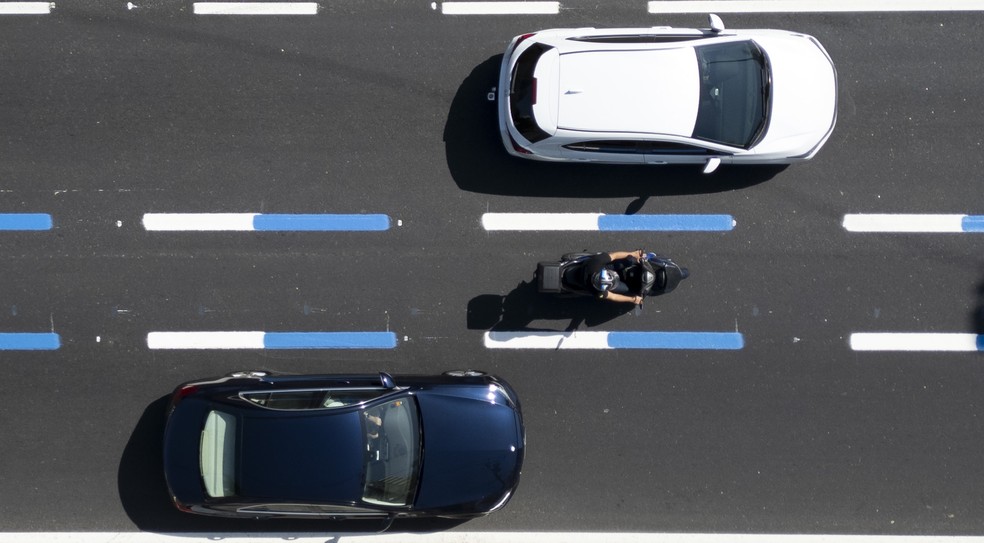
{"x": 973, "y": 223}
{"x": 320, "y": 223}
{"x": 676, "y": 340}
{"x": 29, "y": 341}
{"x": 682, "y": 223}
{"x": 329, "y": 340}
{"x": 25, "y": 221}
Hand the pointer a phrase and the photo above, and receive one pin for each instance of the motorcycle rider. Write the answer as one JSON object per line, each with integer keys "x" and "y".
{"x": 601, "y": 273}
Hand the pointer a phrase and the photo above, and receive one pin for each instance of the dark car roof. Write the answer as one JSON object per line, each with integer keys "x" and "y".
{"x": 473, "y": 450}
{"x": 304, "y": 457}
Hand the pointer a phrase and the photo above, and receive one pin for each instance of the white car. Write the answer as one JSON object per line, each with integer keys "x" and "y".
{"x": 666, "y": 96}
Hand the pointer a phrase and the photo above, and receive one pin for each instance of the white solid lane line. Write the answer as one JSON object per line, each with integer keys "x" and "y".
{"x": 810, "y": 6}
{"x": 896, "y": 341}
{"x": 255, "y": 8}
{"x": 912, "y": 223}
{"x": 500, "y": 8}
{"x": 25, "y": 8}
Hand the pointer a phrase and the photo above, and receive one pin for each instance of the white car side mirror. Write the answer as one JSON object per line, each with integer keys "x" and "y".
{"x": 712, "y": 164}
{"x": 717, "y": 25}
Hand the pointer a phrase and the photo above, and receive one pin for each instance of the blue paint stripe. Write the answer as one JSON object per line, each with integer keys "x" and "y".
{"x": 25, "y": 221}
{"x": 688, "y": 223}
{"x": 980, "y": 342}
{"x": 675, "y": 340}
{"x": 320, "y": 223}
{"x": 329, "y": 340}
{"x": 29, "y": 341}
{"x": 973, "y": 223}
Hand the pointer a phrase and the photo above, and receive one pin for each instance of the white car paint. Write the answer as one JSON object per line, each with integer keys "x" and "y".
{"x": 648, "y": 92}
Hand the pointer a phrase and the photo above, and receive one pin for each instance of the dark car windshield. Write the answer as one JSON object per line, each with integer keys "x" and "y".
{"x": 393, "y": 447}
{"x": 734, "y": 93}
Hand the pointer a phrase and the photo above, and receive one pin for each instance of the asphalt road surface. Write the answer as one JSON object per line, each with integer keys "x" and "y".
{"x": 107, "y": 113}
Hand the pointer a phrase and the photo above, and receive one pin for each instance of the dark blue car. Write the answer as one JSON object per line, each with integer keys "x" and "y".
{"x": 256, "y": 445}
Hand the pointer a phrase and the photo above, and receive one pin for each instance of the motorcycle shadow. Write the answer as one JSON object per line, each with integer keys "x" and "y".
{"x": 524, "y": 306}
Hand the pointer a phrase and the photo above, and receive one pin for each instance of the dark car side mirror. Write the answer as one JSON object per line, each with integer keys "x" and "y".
{"x": 387, "y": 380}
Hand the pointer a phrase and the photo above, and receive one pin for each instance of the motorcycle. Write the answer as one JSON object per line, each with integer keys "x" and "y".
{"x": 653, "y": 275}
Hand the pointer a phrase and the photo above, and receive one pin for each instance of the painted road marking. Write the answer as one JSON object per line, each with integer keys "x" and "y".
{"x": 914, "y": 223}
{"x": 258, "y": 222}
{"x": 271, "y": 340}
{"x": 606, "y": 223}
{"x": 25, "y": 221}
{"x": 810, "y": 6}
{"x": 25, "y": 8}
{"x": 614, "y": 340}
{"x": 917, "y": 342}
{"x": 499, "y": 8}
{"x": 27, "y": 341}
{"x": 255, "y": 8}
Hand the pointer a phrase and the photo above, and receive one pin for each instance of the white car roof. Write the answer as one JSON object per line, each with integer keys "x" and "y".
{"x": 648, "y": 91}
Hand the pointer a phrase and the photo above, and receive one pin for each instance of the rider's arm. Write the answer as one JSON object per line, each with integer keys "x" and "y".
{"x": 618, "y": 255}
{"x": 616, "y": 297}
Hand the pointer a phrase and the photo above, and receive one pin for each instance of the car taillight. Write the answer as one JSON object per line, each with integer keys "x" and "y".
{"x": 523, "y": 37}
{"x": 187, "y": 391}
{"x": 519, "y": 149}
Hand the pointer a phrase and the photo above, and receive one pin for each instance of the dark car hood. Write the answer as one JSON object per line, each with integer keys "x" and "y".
{"x": 473, "y": 452}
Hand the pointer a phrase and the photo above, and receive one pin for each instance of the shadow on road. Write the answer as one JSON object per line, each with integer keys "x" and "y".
{"x": 144, "y": 495}
{"x": 478, "y": 162}
{"x": 517, "y": 310}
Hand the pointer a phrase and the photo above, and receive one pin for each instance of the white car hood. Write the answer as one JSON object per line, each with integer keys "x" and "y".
{"x": 600, "y": 92}
{"x": 804, "y": 96}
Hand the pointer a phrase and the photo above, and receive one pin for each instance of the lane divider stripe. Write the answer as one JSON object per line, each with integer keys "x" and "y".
{"x": 914, "y": 223}
{"x": 809, "y": 6}
{"x": 255, "y": 8}
{"x": 614, "y": 340}
{"x": 25, "y": 8}
{"x": 257, "y": 222}
{"x": 25, "y": 221}
{"x": 606, "y": 223}
{"x": 500, "y": 8}
{"x": 271, "y": 340}
{"x": 27, "y": 341}
{"x": 895, "y": 341}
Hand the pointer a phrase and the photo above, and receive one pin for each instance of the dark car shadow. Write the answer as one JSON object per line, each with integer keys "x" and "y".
{"x": 144, "y": 496}
{"x": 478, "y": 162}
{"x": 517, "y": 310}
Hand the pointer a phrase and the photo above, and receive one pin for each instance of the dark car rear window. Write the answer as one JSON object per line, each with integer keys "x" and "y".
{"x": 734, "y": 93}
{"x": 522, "y": 93}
